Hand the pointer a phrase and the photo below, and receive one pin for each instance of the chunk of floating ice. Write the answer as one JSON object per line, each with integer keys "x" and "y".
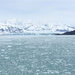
{"x": 6, "y": 57}
{"x": 52, "y": 71}
{"x": 3, "y": 50}
{"x": 9, "y": 46}
{"x": 2, "y": 55}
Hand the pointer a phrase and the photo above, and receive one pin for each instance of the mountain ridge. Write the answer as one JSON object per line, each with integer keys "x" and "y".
{"x": 23, "y": 27}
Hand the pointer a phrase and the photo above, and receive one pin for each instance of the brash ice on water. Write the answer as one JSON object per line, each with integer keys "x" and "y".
{"x": 37, "y": 55}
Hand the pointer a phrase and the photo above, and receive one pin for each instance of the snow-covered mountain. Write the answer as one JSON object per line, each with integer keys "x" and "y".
{"x": 16, "y": 26}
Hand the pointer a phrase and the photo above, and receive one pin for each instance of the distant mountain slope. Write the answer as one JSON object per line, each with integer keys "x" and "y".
{"x": 4, "y": 29}
{"x": 69, "y": 33}
{"x": 22, "y": 27}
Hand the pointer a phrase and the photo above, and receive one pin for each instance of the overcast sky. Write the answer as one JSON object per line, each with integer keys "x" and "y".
{"x": 55, "y": 11}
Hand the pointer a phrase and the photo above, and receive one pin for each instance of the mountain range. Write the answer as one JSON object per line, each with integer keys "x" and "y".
{"x": 17, "y": 26}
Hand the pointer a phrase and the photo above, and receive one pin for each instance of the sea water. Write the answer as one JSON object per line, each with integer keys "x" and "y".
{"x": 37, "y": 55}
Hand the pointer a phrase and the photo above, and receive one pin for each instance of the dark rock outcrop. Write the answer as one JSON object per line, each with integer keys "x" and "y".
{"x": 68, "y": 33}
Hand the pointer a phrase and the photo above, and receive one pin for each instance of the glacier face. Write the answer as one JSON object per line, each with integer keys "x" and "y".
{"x": 16, "y": 26}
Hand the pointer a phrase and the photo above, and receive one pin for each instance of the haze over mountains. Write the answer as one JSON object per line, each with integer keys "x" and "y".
{"x": 17, "y": 26}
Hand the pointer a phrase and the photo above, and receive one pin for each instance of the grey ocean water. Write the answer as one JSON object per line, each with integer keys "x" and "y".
{"x": 37, "y": 55}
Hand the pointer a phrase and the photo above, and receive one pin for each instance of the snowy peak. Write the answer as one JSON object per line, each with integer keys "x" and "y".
{"x": 22, "y": 26}
{"x": 14, "y": 22}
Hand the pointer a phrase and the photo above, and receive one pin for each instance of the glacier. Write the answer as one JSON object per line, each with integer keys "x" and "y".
{"x": 17, "y": 26}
